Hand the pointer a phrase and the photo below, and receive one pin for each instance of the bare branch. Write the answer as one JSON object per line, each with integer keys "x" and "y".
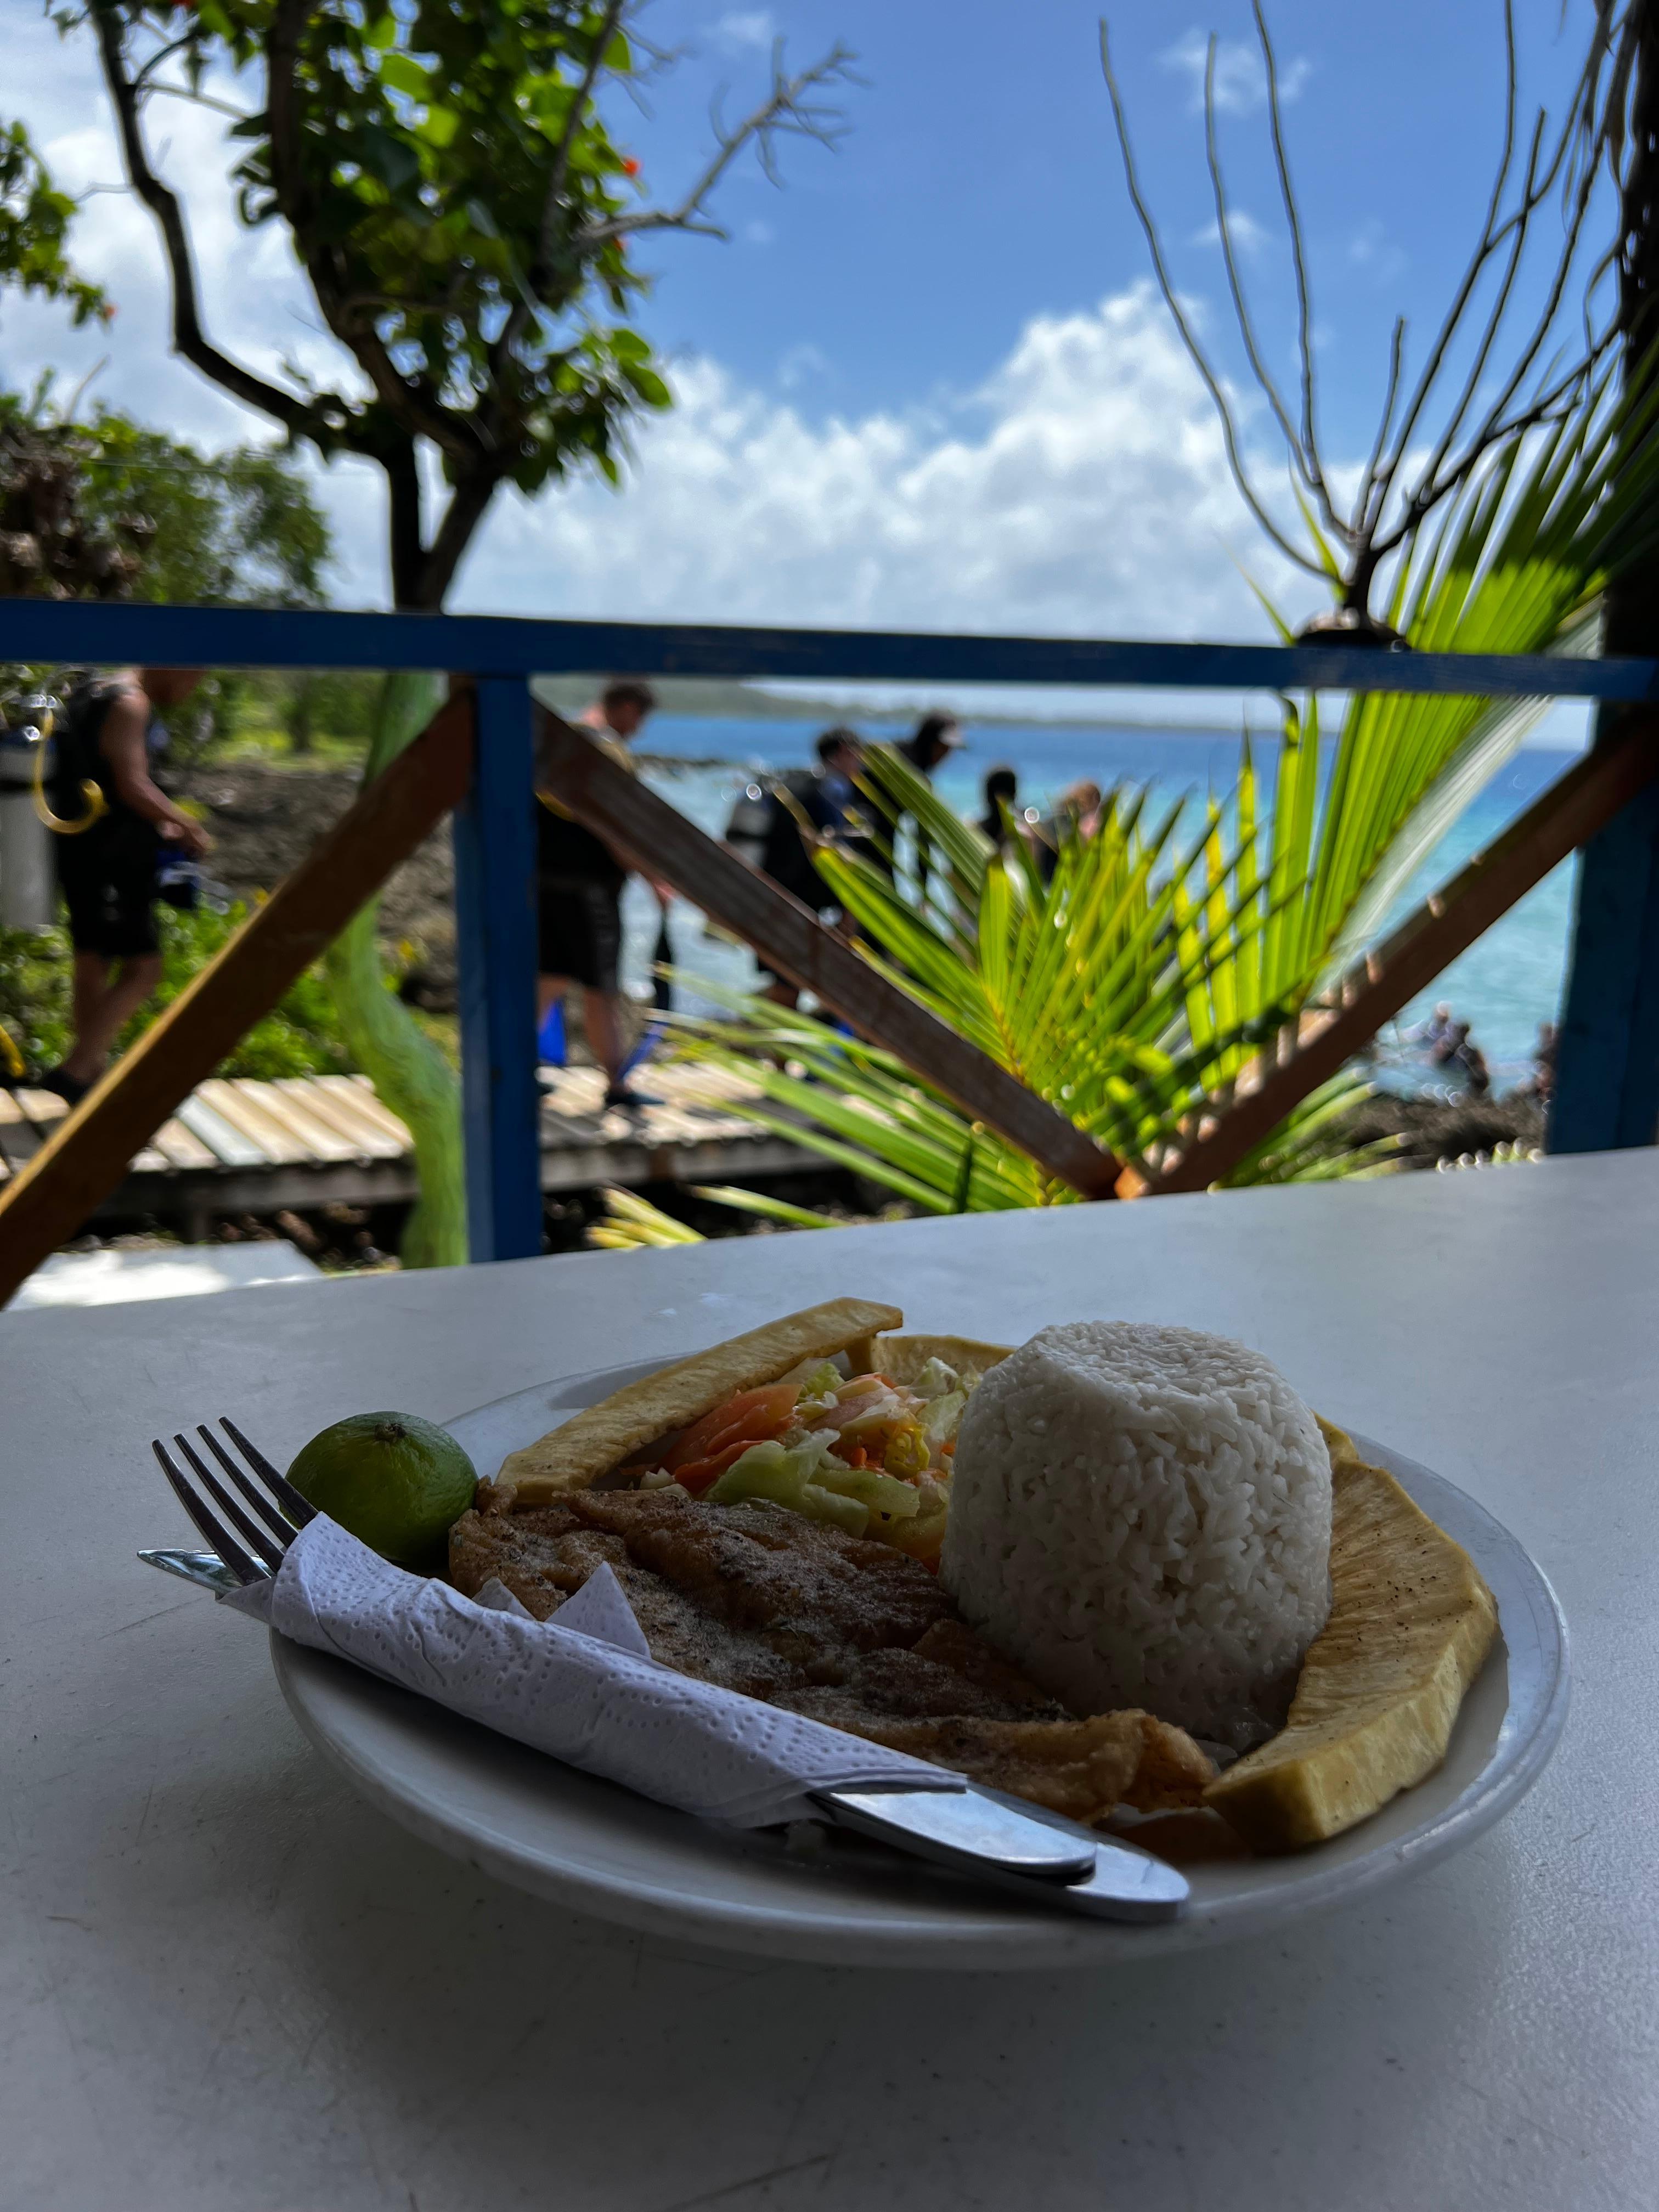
{"x": 788, "y": 107}
{"x": 1495, "y": 316}
{"x": 1384, "y": 481}
{"x": 1390, "y": 399}
{"x": 157, "y": 89}
{"x": 1200, "y": 359}
{"x": 1306, "y": 465}
{"x": 299, "y": 417}
{"x": 1298, "y": 254}
{"x": 140, "y": 82}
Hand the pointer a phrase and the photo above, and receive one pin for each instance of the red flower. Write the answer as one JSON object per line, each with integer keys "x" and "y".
{"x": 630, "y": 167}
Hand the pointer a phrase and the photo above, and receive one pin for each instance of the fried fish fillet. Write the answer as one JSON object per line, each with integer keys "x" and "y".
{"x": 760, "y": 1599}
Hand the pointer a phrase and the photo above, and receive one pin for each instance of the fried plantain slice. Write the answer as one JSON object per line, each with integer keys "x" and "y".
{"x": 1411, "y": 1623}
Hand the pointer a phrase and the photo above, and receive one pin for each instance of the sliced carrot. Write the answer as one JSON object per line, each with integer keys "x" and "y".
{"x": 702, "y": 1474}
{"x": 754, "y": 1415}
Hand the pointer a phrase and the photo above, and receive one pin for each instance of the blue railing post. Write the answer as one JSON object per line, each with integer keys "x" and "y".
{"x": 1607, "y": 1073}
{"x": 496, "y": 929}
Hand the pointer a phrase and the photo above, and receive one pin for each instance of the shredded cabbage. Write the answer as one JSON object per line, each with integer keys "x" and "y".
{"x": 939, "y": 1423}
{"x": 882, "y": 1493}
{"x": 936, "y": 1380}
{"x": 848, "y": 1513}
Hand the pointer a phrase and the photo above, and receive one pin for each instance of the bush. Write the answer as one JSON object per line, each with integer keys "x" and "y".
{"x": 300, "y": 1036}
{"x": 34, "y": 997}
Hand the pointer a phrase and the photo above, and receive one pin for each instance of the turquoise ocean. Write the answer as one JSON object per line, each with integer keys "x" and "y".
{"x": 1504, "y": 986}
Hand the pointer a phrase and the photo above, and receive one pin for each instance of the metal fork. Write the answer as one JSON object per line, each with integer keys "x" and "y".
{"x": 279, "y": 1513}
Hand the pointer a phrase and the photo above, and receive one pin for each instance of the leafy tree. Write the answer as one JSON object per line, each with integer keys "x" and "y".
{"x": 465, "y": 218}
{"x": 461, "y": 211}
{"x": 239, "y": 528}
{"x": 34, "y": 226}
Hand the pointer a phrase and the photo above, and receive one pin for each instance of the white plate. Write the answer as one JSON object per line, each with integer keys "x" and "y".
{"x": 588, "y": 1844}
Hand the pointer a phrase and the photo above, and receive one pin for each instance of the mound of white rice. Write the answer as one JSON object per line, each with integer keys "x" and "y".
{"x": 1142, "y": 1517}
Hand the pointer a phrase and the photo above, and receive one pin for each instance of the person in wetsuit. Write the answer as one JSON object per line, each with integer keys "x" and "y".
{"x": 830, "y": 799}
{"x": 114, "y": 828}
{"x": 579, "y": 896}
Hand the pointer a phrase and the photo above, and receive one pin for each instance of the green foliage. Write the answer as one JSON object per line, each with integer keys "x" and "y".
{"x": 239, "y": 528}
{"x": 327, "y": 710}
{"x": 1136, "y": 988}
{"x": 34, "y": 226}
{"x": 410, "y": 1069}
{"x": 115, "y": 508}
{"x": 34, "y": 997}
{"x": 462, "y": 213}
{"x": 300, "y": 1035}
{"x": 430, "y": 137}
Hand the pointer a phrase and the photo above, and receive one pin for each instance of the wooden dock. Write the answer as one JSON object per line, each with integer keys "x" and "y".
{"x": 239, "y": 1146}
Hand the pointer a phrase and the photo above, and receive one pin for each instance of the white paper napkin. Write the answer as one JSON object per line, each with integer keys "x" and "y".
{"x": 581, "y": 1687}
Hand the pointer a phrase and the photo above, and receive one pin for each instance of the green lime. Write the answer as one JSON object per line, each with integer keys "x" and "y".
{"x": 397, "y": 1482}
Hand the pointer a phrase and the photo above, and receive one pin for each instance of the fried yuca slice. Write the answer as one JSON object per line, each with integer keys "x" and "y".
{"x": 1411, "y": 1623}
{"x": 601, "y": 1436}
{"x": 901, "y": 1358}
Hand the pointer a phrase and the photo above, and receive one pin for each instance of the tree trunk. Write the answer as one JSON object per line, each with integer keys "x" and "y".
{"x": 1607, "y": 1092}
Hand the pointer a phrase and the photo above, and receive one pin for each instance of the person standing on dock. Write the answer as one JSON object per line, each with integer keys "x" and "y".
{"x": 828, "y": 800}
{"x": 579, "y": 896}
{"x": 114, "y": 832}
{"x": 1001, "y": 791}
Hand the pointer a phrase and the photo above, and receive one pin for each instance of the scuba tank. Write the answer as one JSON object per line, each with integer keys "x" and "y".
{"x": 750, "y": 824}
{"x": 29, "y": 893}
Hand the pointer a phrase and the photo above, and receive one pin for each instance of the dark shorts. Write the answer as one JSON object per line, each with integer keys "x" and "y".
{"x": 579, "y": 930}
{"x": 111, "y": 896}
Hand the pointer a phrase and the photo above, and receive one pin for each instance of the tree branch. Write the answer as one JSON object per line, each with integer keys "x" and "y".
{"x": 309, "y": 418}
{"x": 1200, "y": 359}
{"x": 785, "y": 108}
{"x": 580, "y": 98}
{"x": 450, "y": 433}
{"x": 1298, "y": 254}
{"x": 1305, "y": 464}
{"x": 1384, "y": 481}
{"x": 467, "y": 504}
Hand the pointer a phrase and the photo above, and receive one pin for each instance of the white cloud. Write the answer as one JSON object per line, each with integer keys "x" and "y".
{"x": 1249, "y": 236}
{"x": 1083, "y": 487}
{"x": 1241, "y": 79}
{"x": 746, "y": 29}
{"x": 1371, "y": 249}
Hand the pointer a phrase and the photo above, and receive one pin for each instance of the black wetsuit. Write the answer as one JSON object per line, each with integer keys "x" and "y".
{"x": 106, "y": 871}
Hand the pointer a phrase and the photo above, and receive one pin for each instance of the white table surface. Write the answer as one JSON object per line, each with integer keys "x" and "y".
{"x": 227, "y": 1984}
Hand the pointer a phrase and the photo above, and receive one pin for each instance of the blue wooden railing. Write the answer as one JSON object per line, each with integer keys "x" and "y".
{"x": 1614, "y": 1042}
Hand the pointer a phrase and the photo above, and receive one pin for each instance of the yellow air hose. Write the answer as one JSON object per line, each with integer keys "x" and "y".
{"x": 97, "y": 804}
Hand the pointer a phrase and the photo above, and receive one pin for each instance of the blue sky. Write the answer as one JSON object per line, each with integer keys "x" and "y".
{"x": 926, "y": 383}
{"x": 980, "y": 185}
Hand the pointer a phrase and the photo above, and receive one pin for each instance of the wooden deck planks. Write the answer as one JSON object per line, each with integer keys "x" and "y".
{"x": 367, "y": 1139}
{"x": 356, "y": 1094}
{"x": 179, "y": 1148}
{"x": 289, "y": 1110}
{"x": 238, "y": 1144}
